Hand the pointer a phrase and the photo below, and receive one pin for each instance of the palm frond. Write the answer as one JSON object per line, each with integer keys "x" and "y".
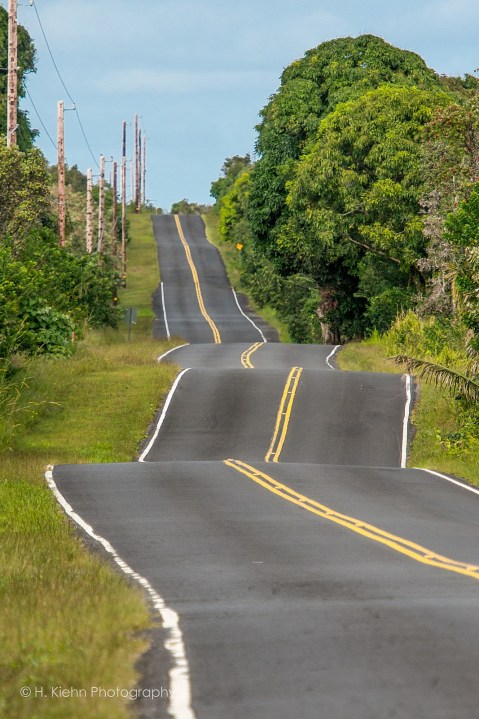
{"x": 458, "y": 384}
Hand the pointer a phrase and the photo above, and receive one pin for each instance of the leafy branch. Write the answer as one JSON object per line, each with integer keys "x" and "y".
{"x": 458, "y": 384}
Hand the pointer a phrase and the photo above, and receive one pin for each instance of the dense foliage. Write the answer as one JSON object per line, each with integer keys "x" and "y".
{"x": 47, "y": 293}
{"x": 363, "y": 153}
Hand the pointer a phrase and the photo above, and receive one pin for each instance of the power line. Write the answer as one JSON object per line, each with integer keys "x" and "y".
{"x": 84, "y": 135}
{"x": 41, "y": 121}
{"x": 33, "y": 4}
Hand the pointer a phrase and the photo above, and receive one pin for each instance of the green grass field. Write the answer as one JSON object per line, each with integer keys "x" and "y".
{"x": 67, "y": 618}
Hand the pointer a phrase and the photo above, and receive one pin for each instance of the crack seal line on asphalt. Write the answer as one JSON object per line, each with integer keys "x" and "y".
{"x": 179, "y": 673}
{"x": 399, "y": 544}
{"x": 196, "y": 281}
{"x": 246, "y": 356}
{"x": 284, "y": 415}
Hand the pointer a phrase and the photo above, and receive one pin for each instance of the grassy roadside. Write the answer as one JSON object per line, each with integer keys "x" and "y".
{"x": 435, "y": 416}
{"x": 232, "y": 261}
{"x": 68, "y": 620}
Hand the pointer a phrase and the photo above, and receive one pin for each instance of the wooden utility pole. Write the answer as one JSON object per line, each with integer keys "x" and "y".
{"x": 143, "y": 200}
{"x": 89, "y": 211}
{"x": 12, "y": 90}
{"x": 139, "y": 173}
{"x": 114, "y": 207}
{"x": 137, "y": 197}
{"x": 101, "y": 209}
{"x": 123, "y": 205}
{"x": 61, "y": 172}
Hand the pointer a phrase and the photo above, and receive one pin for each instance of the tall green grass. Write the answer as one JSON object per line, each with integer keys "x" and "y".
{"x": 446, "y": 432}
{"x": 67, "y": 618}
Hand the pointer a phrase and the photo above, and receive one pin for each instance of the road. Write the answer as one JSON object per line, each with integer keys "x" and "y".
{"x": 300, "y": 571}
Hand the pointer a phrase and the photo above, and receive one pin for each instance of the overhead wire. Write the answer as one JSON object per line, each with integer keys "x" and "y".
{"x": 41, "y": 121}
{"x": 75, "y": 108}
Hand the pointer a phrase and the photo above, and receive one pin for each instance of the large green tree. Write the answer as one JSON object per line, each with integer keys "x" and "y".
{"x": 353, "y": 205}
{"x": 24, "y": 191}
{"x": 334, "y": 72}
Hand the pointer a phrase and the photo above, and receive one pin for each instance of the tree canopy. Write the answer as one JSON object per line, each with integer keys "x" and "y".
{"x": 335, "y": 211}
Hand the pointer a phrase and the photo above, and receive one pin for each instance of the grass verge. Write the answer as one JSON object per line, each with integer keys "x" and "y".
{"x": 435, "y": 417}
{"x": 68, "y": 620}
{"x": 232, "y": 261}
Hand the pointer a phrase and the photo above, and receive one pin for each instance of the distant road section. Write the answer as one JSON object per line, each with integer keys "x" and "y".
{"x": 195, "y": 300}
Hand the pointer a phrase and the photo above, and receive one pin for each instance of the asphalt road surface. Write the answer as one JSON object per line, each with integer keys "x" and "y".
{"x": 298, "y": 569}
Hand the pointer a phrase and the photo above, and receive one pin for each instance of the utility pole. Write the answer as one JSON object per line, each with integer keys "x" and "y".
{"x": 137, "y": 198}
{"x": 12, "y": 90}
{"x": 89, "y": 211}
{"x": 139, "y": 173}
{"x": 61, "y": 172}
{"x": 101, "y": 209}
{"x": 123, "y": 205}
{"x": 114, "y": 207}
{"x": 143, "y": 202}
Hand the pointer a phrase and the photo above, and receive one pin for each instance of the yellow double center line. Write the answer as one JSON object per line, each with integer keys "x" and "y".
{"x": 246, "y": 356}
{"x": 284, "y": 415}
{"x": 399, "y": 544}
{"x": 196, "y": 281}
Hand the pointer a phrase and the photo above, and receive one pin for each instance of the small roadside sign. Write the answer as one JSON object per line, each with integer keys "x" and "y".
{"x": 130, "y": 317}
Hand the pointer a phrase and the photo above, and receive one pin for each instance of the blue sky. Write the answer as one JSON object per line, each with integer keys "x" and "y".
{"x": 199, "y": 71}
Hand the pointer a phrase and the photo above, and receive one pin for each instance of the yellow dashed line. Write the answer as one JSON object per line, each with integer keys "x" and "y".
{"x": 399, "y": 544}
{"x": 199, "y": 295}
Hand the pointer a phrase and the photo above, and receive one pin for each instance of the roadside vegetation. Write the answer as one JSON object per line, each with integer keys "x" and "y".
{"x": 73, "y": 389}
{"x": 67, "y": 618}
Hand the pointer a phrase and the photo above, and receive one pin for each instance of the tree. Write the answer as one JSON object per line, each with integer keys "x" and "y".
{"x": 353, "y": 206}
{"x": 24, "y": 191}
{"x": 233, "y": 167}
{"x": 334, "y": 72}
{"x": 185, "y": 207}
{"x": 462, "y": 233}
{"x": 450, "y": 160}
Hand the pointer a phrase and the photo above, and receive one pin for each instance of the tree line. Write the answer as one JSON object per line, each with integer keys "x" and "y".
{"x": 48, "y": 294}
{"x": 363, "y": 204}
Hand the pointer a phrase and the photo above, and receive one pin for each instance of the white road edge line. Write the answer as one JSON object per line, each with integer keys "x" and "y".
{"x": 405, "y": 426}
{"x": 245, "y": 315}
{"x": 150, "y": 444}
{"x": 164, "y": 310}
{"x": 179, "y": 674}
{"x": 449, "y": 479}
{"x": 331, "y": 354}
{"x": 173, "y": 349}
